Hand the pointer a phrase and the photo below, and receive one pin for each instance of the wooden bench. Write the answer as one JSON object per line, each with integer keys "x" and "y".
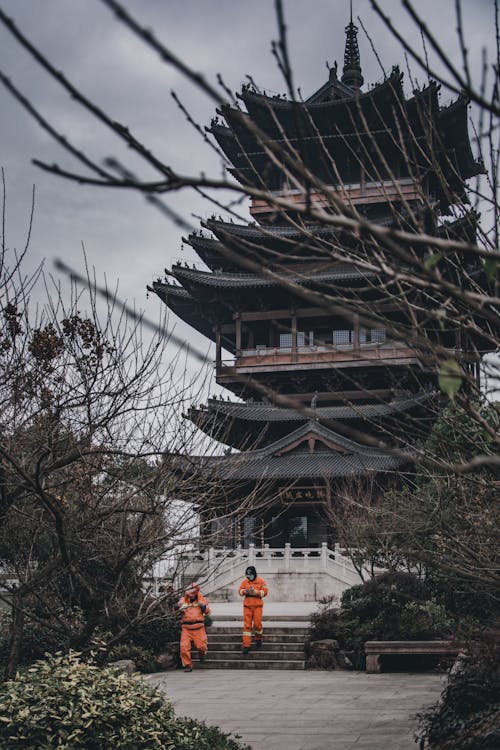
{"x": 375, "y": 650}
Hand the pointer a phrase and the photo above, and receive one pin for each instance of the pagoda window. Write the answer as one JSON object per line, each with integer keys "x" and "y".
{"x": 286, "y": 339}
{"x": 372, "y": 336}
{"x": 343, "y": 337}
{"x": 249, "y": 530}
{"x": 378, "y": 335}
{"x": 289, "y": 529}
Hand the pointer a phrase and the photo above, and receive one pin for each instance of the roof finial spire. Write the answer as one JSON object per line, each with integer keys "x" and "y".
{"x": 351, "y": 75}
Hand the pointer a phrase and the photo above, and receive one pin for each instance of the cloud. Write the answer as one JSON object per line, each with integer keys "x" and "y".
{"x": 124, "y": 237}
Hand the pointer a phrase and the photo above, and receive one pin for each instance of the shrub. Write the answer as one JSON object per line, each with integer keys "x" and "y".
{"x": 392, "y": 606}
{"x": 468, "y": 715}
{"x": 65, "y": 703}
{"x": 143, "y": 660}
{"x": 155, "y": 634}
{"x": 40, "y": 636}
{"x": 203, "y": 737}
{"x": 464, "y": 599}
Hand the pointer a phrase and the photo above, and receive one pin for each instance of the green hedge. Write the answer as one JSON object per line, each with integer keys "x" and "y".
{"x": 468, "y": 715}
{"x": 389, "y": 607}
{"x": 143, "y": 660}
{"x": 65, "y": 703}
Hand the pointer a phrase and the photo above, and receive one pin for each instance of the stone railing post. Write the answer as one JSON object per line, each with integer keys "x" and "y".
{"x": 211, "y": 567}
{"x": 287, "y": 555}
{"x": 324, "y": 556}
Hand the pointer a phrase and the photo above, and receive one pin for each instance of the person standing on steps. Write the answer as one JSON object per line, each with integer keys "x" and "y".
{"x": 253, "y": 589}
{"x": 193, "y": 608}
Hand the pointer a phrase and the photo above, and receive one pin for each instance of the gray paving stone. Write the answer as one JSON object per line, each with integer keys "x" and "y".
{"x": 307, "y": 710}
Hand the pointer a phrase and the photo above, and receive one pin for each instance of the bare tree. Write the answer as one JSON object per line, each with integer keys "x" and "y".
{"x": 92, "y": 492}
{"x": 430, "y": 269}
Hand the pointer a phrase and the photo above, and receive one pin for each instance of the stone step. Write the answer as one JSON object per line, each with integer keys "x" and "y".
{"x": 275, "y": 617}
{"x": 269, "y": 628}
{"x": 259, "y": 654}
{"x": 247, "y": 663}
{"x": 285, "y": 641}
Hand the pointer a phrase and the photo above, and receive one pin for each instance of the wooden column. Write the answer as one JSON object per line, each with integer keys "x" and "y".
{"x": 355, "y": 324}
{"x": 218, "y": 350}
{"x": 294, "y": 337}
{"x": 238, "y": 334}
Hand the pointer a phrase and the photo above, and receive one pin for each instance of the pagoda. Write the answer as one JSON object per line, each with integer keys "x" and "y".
{"x": 326, "y": 394}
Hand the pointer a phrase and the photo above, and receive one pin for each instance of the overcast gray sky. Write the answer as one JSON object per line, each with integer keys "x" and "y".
{"x": 125, "y": 238}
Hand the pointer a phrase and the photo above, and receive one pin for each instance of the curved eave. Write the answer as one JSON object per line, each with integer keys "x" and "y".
{"x": 323, "y": 117}
{"x": 245, "y": 425}
{"x": 289, "y": 458}
{"x": 211, "y": 252}
{"x": 386, "y": 90}
{"x": 189, "y": 310}
{"x": 463, "y": 229}
{"x": 246, "y": 467}
{"x": 263, "y": 413}
{"x": 267, "y": 235}
{"x": 227, "y": 141}
{"x": 241, "y": 138}
{"x": 422, "y": 107}
{"x": 194, "y": 279}
{"x": 454, "y": 127}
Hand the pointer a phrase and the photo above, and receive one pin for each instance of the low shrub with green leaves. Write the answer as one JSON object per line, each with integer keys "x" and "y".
{"x": 144, "y": 660}
{"x": 468, "y": 715}
{"x": 153, "y": 635}
{"x": 390, "y": 607}
{"x": 65, "y": 703}
{"x": 40, "y": 636}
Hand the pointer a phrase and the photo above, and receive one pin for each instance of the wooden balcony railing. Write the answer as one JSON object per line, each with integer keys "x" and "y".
{"x": 316, "y": 357}
{"x": 356, "y": 193}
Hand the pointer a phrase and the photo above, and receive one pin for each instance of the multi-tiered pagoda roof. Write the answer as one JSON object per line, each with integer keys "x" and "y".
{"x": 292, "y": 304}
{"x": 331, "y": 132}
{"x": 246, "y": 425}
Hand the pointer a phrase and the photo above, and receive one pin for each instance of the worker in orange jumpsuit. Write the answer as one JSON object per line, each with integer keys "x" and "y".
{"x": 193, "y": 608}
{"x": 253, "y": 589}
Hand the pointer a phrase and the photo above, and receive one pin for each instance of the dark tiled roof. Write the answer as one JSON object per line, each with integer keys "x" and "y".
{"x": 247, "y": 467}
{"x": 390, "y": 87}
{"x": 260, "y": 412}
{"x": 248, "y": 280}
{"x": 298, "y": 463}
{"x": 163, "y": 289}
{"x": 255, "y": 231}
{"x": 187, "y": 308}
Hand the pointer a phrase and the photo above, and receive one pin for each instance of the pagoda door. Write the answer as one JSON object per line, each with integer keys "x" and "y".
{"x": 289, "y": 529}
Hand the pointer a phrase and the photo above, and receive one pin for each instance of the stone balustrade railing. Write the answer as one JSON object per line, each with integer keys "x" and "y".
{"x": 216, "y": 567}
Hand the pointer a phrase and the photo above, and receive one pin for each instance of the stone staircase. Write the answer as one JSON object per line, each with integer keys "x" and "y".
{"x": 282, "y": 647}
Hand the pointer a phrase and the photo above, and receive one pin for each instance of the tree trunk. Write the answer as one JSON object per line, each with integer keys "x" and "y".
{"x": 16, "y": 638}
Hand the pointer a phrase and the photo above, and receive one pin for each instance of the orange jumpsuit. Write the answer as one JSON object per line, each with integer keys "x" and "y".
{"x": 193, "y": 628}
{"x": 252, "y": 609}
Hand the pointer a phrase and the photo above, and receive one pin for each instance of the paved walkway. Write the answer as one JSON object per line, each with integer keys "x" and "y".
{"x": 282, "y": 710}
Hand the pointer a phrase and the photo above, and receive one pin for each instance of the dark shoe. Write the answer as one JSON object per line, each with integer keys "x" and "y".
{"x": 258, "y": 644}
{"x": 188, "y": 669}
{"x": 245, "y": 650}
{"x": 202, "y": 658}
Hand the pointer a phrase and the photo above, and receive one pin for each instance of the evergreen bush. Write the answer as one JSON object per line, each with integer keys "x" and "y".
{"x": 391, "y": 607}
{"x": 155, "y": 634}
{"x": 67, "y": 704}
{"x": 468, "y": 715}
{"x": 144, "y": 660}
